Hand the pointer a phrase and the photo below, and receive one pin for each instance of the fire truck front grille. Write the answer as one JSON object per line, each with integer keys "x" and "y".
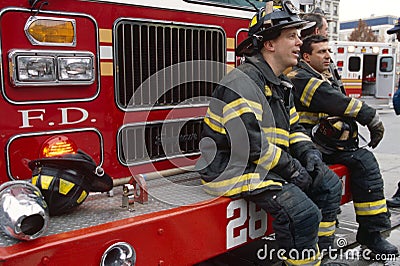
{"x": 141, "y": 143}
{"x": 160, "y": 64}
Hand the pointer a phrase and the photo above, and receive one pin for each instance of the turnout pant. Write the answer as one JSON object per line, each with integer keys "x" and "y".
{"x": 296, "y": 222}
{"x": 326, "y": 193}
{"x": 366, "y": 187}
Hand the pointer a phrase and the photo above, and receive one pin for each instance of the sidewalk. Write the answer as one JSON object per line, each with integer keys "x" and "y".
{"x": 380, "y": 104}
{"x": 389, "y": 164}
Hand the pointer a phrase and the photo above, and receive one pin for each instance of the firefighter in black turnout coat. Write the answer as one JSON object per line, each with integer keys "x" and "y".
{"x": 253, "y": 146}
{"x": 317, "y": 96}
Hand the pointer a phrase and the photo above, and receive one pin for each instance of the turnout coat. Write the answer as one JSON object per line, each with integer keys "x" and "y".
{"x": 317, "y": 95}
{"x": 251, "y": 132}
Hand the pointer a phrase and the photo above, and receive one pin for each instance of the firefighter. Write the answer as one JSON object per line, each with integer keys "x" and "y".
{"x": 321, "y": 24}
{"x": 317, "y": 95}
{"x": 395, "y": 200}
{"x": 252, "y": 145}
{"x": 395, "y": 30}
{"x": 321, "y": 28}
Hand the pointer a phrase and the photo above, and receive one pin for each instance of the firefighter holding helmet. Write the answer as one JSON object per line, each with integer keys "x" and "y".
{"x": 253, "y": 146}
{"x": 316, "y": 96}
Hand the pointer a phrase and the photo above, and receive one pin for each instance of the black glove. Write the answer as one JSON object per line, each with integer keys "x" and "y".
{"x": 312, "y": 159}
{"x": 318, "y": 176}
{"x": 376, "y": 131}
{"x": 300, "y": 176}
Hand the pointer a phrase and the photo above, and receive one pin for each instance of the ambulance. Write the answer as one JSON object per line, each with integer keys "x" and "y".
{"x": 366, "y": 68}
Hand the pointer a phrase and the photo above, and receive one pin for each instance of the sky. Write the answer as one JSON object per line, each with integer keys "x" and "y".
{"x": 356, "y": 9}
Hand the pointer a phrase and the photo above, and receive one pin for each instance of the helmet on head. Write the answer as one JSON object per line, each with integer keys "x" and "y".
{"x": 266, "y": 26}
{"x": 395, "y": 29}
{"x": 336, "y": 134}
{"x": 66, "y": 181}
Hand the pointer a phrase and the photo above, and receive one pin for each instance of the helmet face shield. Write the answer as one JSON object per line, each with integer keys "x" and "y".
{"x": 336, "y": 134}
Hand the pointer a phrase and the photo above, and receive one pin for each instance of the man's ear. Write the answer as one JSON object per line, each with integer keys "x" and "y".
{"x": 269, "y": 46}
{"x": 306, "y": 57}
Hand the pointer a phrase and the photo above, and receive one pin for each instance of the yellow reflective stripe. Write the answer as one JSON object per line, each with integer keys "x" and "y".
{"x": 271, "y": 158}
{"x": 309, "y": 118}
{"x": 294, "y": 116}
{"x": 241, "y": 106}
{"x": 297, "y": 137}
{"x": 34, "y": 180}
{"x": 65, "y": 186}
{"x": 267, "y": 91}
{"x": 327, "y": 224}
{"x": 326, "y": 228}
{"x": 213, "y": 116}
{"x": 277, "y": 136}
{"x": 301, "y": 262}
{"x": 232, "y": 181}
{"x": 213, "y": 126}
{"x": 279, "y": 141}
{"x": 214, "y": 122}
{"x": 82, "y": 197}
{"x": 370, "y": 208}
{"x": 309, "y": 91}
{"x": 314, "y": 260}
{"x": 45, "y": 181}
{"x": 353, "y": 108}
{"x": 238, "y": 190}
{"x": 276, "y": 131}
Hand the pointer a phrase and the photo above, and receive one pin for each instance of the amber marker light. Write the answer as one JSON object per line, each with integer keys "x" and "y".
{"x": 51, "y": 31}
{"x": 57, "y": 146}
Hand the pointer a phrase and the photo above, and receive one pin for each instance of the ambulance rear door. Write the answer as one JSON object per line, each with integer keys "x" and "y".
{"x": 385, "y": 76}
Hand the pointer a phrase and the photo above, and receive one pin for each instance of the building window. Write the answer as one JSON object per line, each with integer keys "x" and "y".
{"x": 354, "y": 64}
{"x": 335, "y": 10}
{"x": 334, "y": 28}
{"x": 327, "y": 6}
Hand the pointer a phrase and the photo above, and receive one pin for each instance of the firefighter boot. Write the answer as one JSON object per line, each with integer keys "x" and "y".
{"x": 394, "y": 202}
{"x": 325, "y": 243}
{"x": 375, "y": 242}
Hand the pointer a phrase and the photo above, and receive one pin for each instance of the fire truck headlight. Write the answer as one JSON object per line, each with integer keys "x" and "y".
{"x": 36, "y": 68}
{"x": 51, "y": 31}
{"x": 120, "y": 253}
{"x": 75, "y": 68}
{"x": 51, "y": 68}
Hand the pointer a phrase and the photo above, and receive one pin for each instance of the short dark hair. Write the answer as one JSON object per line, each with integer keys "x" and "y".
{"x": 308, "y": 41}
{"x": 312, "y": 17}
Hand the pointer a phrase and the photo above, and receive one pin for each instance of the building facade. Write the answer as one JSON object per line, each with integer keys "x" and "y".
{"x": 378, "y": 24}
{"x": 331, "y": 10}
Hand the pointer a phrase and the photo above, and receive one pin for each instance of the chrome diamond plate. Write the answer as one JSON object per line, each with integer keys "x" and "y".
{"x": 100, "y": 208}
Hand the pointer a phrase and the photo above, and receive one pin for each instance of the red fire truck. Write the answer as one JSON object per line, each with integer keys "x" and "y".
{"x": 127, "y": 82}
